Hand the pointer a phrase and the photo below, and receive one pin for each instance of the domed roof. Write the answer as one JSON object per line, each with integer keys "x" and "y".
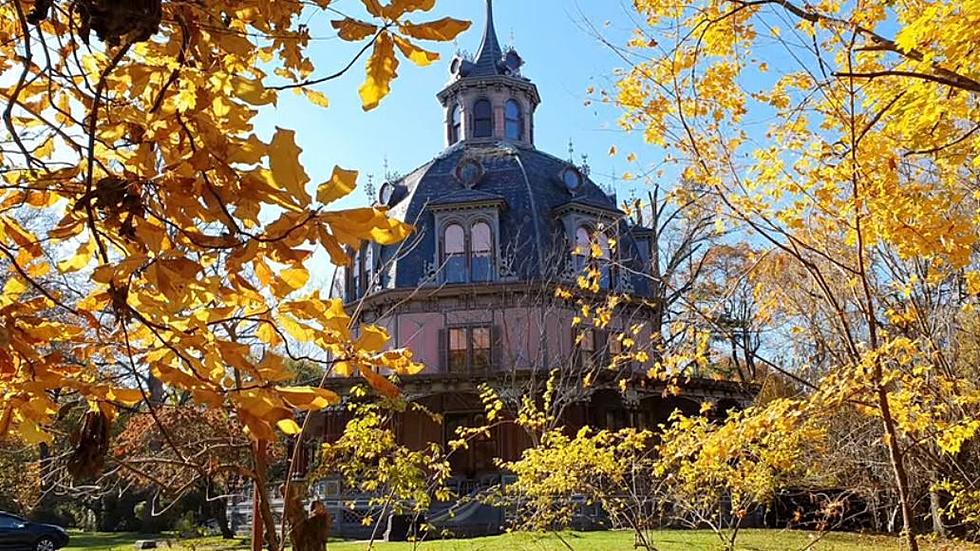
{"x": 525, "y": 188}
{"x": 536, "y": 203}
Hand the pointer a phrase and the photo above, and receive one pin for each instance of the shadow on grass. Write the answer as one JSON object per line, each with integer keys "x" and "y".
{"x": 101, "y": 541}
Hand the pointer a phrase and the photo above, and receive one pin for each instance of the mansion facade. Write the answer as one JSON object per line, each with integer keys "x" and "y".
{"x": 500, "y": 226}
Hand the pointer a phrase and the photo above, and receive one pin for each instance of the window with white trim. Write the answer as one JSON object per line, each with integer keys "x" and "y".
{"x": 468, "y": 252}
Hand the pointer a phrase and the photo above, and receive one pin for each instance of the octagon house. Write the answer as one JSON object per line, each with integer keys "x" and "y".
{"x": 500, "y": 225}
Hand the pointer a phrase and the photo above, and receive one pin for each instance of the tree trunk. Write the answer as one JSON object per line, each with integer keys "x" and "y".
{"x": 936, "y": 511}
{"x": 267, "y": 523}
{"x": 898, "y": 466}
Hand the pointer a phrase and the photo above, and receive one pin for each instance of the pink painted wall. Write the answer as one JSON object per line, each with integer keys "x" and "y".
{"x": 519, "y": 329}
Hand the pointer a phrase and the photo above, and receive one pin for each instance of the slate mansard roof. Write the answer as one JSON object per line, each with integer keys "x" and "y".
{"x": 517, "y": 188}
{"x": 524, "y": 186}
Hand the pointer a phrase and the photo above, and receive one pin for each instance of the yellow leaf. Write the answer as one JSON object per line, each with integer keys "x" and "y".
{"x": 32, "y": 434}
{"x": 353, "y": 30}
{"x": 295, "y": 278}
{"x": 442, "y": 30}
{"x": 252, "y": 91}
{"x": 973, "y": 283}
{"x": 289, "y": 427}
{"x": 80, "y": 260}
{"x": 263, "y": 272}
{"x": 21, "y": 236}
{"x": 46, "y": 149}
{"x": 287, "y": 172}
{"x": 308, "y": 398}
{"x": 399, "y": 8}
{"x": 350, "y": 227}
{"x": 316, "y": 98}
{"x": 256, "y": 427}
{"x": 372, "y": 339}
{"x": 341, "y": 184}
{"x": 267, "y": 334}
{"x": 417, "y": 55}
{"x": 125, "y": 396}
{"x": 379, "y": 383}
{"x": 343, "y": 369}
{"x": 186, "y": 98}
{"x": 14, "y": 288}
{"x": 382, "y": 68}
{"x": 374, "y": 7}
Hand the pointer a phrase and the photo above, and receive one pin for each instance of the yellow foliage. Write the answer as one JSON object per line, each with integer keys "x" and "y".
{"x": 140, "y": 165}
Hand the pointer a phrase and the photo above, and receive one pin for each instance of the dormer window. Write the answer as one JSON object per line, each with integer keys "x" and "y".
{"x": 482, "y": 119}
{"x": 592, "y": 250}
{"x": 455, "y": 124}
{"x": 454, "y": 254}
{"x": 481, "y": 262}
{"x": 468, "y": 252}
{"x": 513, "y": 120}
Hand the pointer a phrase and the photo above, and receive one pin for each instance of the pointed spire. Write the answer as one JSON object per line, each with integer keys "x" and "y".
{"x": 490, "y": 54}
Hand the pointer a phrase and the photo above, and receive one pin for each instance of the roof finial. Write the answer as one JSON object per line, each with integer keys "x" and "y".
{"x": 490, "y": 53}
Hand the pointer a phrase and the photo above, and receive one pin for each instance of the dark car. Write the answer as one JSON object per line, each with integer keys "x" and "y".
{"x": 18, "y": 534}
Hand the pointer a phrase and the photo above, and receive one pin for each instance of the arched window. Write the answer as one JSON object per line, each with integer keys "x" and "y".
{"x": 582, "y": 249}
{"x": 604, "y": 261}
{"x": 513, "y": 120}
{"x": 368, "y": 269}
{"x": 455, "y": 124}
{"x": 454, "y": 253}
{"x": 583, "y": 254}
{"x": 355, "y": 268}
{"x": 482, "y": 119}
{"x": 481, "y": 252}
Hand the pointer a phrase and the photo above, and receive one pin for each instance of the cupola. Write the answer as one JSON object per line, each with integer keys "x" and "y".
{"x": 488, "y": 99}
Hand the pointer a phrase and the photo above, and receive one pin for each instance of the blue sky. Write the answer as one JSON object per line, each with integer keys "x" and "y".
{"x": 562, "y": 58}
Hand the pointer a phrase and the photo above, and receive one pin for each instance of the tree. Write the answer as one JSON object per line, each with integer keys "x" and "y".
{"x": 130, "y": 123}
{"x": 871, "y": 156}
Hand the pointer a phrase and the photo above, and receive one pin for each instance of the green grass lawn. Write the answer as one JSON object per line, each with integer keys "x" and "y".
{"x": 665, "y": 540}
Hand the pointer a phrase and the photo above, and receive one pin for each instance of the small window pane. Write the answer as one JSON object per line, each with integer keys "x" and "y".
{"x": 457, "y": 350}
{"x": 356, "y": 275}
{"x": 582, "y": 248}
{"x": 482, "y": 119}
{"x": 368, "y": 269}
{"x": 482, "y": 238}
{"x": 455, "y": 239}
{"x": 514, "y": 119}
{"x": 583, "y": 242}
{"x": 585, "y": 354}
{"x": 454, "y": 245}
{"x": 605, "y": 275}
{"x": 456, "y": 124}
{"x": 644, "y": 246}
{"x": 481, "y": 348}
{"x": 588, "y": 341}
{"x": 482, "y": 247}
{"x": 572, "y": 179}
{"x": 615, "y": 345}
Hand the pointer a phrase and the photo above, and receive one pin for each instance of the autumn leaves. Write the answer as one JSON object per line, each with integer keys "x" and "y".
{"x": 171, "y": 244}
{"x": 382, "y": 66}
